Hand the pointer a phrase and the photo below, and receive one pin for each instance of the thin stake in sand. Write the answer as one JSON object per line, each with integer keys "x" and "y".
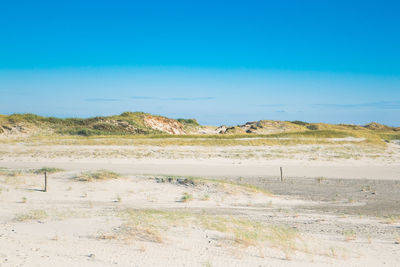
{"x": 45, "y": 181}
{"x": 281, "y": 175}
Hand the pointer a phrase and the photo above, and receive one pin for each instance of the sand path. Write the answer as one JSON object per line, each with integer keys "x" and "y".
{"x": 223, "y": 168}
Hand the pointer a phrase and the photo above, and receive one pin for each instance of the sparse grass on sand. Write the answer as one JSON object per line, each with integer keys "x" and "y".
{"x": 19, "y": 176}
{"x": 186, "y": 197}
{"x": 31, "y": 215}
{"x": 349, "y": 235}
{"x": 226, "y": 186}
{"x": 392, "y": 219}
{"x": 152, "y": 226}
{"x": 100, "y": 175}
{"x": 327, "y": 135}
{"x": 10, "y": 173}
{"x": 48, "y": 170}
{"x": 12, "y": 177}
{"x": 19, "y": 172}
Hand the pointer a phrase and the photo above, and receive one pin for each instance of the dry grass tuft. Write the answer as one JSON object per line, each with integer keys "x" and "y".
{"x": 97, "y": 176}
{"x": 104, "y": 236}
{"x": 205, "y": 197}
{"x": 13, "y": 179}
{"x": 47, "y": 169}
{"x": 186, "y": 197}
{"x": 140, "y": 225}
{"x": 391, "y": 219}
{"x": 226, "y": 186}
{"x": 19, "y": 172}
{"x": 148, "y": 234}
{"x": 349, "y": 235}
{"x": 19, "y": 176}
{"x": 10, "y": 173}
{"x": 31, "y": 215}
{"x": 231, "y": 187}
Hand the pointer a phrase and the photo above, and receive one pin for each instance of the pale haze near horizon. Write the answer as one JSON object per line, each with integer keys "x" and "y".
{"x": 214, "y": 97}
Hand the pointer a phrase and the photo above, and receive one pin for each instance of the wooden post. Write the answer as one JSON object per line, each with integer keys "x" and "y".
{"x": 45, "y": 181}
{"x": 281, "y": 175}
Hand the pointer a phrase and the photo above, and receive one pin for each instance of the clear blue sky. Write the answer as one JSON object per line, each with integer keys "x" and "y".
{"x": 223, "y": 62}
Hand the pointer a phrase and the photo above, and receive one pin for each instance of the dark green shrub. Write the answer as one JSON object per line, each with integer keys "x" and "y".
{"x": 302, "y": 123}
{"x": 188, "y": 121}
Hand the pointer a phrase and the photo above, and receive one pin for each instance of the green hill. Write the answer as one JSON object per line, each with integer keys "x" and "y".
{"x": 128, "y": 123}
{"x": 139, "y": 123}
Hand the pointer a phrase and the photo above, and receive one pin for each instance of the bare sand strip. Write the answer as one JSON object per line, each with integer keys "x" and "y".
{"x": 225, "y": 168}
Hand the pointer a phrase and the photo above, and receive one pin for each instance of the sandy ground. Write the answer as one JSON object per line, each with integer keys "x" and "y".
{"x": 82, "y": 220}
{"x": 331, "y": 161}
{"x": 326, "y": 212}
{"x": 223, "y": 168}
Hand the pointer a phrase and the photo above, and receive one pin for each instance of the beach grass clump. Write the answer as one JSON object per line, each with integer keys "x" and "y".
{"x": 10, "y": 173}
{"x": 12, "y": 176}
{"x": 47, "y": 169}
{"x": 20, "y": 172}
{"x": 189, "y": 121}
{"x": 100, "y": 175}
{"x": 186, "y": 197}
{"x": 234, "y": 187}
{"x": 227, "y": 186}
{"x": 391, "y": 219}
{"x": 31, "y": 215}
{"x": 205, "y": 197}
{"x": 350, "y": 235}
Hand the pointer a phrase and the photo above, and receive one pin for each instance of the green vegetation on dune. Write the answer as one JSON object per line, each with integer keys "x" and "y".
{"x": 143, "y": 128}
{"x": 83, "y": 131}
{"x": 208, "y": 140}
{"x": 189, "y": 125}
{"x": 189, "y": 121}
{"x": 388, "y": 136}
{"x": 316, "y": 134}
{"x": 124, "y": 124}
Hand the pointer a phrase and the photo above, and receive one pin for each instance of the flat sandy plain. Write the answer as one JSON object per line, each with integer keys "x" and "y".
{"x": 199, "y": 205}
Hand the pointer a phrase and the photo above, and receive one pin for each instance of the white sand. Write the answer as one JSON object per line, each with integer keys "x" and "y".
{"x": 80, "y": 212}
{"x": 330, "y": 161}
{"x": 223, "y": 168}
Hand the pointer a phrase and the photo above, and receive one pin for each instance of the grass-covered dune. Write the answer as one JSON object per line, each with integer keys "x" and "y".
{"x": 138, "y": 125}
{"x": 128, "y": 123}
